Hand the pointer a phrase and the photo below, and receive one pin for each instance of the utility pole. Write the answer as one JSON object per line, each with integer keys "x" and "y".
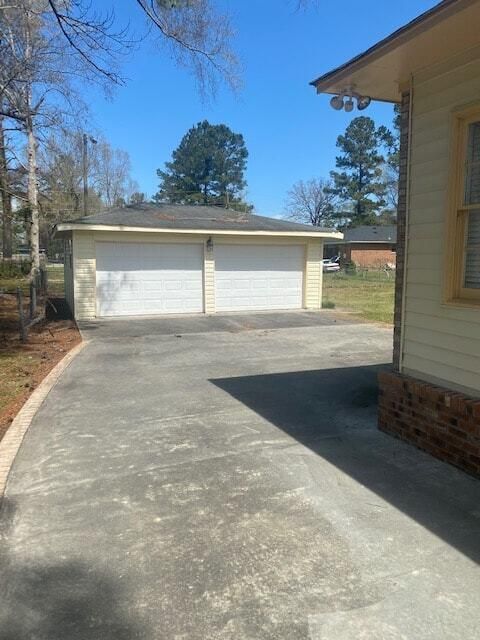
{"x": 85, "y": 170}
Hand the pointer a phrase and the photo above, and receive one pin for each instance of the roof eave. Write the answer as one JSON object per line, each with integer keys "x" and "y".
{"x": 324, "y": 83}
{"x": 63, "y": 228}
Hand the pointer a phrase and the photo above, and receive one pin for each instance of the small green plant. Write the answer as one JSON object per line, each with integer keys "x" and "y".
{"x": 328, "y": 304}
{"x": 11, "y": 269}
{"x": 350, "y": 268}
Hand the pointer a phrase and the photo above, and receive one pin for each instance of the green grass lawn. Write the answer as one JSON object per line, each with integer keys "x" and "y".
{"x": 369, "y": 294}
{"x": 9, "y": 284}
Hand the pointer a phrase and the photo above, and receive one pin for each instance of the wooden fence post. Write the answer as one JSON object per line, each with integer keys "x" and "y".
{"x": 33, "y": 298}
{"x": 21, "y": 318}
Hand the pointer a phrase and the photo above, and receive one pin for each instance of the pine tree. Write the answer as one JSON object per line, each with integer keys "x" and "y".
{"x": 207, "y": 168}
{"x": 359, "y": 180}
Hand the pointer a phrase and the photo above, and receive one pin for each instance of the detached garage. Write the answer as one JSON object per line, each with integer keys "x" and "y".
{"x": 155, "y": 260}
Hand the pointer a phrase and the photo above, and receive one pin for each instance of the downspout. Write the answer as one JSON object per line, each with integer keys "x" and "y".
{"x": 407, "y": 226}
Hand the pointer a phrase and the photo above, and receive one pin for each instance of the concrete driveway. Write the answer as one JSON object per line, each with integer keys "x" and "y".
{"x": 209, "y": 478}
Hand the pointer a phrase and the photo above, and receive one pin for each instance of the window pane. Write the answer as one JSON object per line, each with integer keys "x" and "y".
{"x": 472, "y": 258}
{"x": 472, "y": 173}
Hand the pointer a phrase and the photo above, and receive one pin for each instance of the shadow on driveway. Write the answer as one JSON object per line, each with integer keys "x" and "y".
{"x": 62, "y": 599}
{"x": 318, "y": 409}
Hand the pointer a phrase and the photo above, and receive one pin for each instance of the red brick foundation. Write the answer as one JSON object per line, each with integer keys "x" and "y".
{"x": 444, "y": 423}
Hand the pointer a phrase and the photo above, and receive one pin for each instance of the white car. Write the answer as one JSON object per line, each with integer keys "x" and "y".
{"x": 330, "y": 266}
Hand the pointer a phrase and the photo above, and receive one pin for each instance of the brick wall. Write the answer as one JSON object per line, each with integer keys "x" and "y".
{"x": 401, "y": 227}
{"x": 444, "y": 423}
{"x": 372, "y": 256}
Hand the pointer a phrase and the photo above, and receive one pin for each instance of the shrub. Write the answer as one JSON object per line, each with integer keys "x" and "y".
{"x": 328, "y": 304}
{"x": 350, "y": 268}
{"x": 14, "y": 269}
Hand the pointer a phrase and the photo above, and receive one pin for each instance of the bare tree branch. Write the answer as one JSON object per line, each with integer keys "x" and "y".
{"x": 61, "y": 24}
{"x": 311, "y": 202}
{"x": 200, "y": 39}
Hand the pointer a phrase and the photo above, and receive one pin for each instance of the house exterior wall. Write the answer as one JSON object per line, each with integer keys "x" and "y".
{"x": 84, "y": 264}
{"x": 370, "y": 255}
{"x": 440, "y": 342}
{"x": 401, "y": 227}
{"x": 432, "y": 396}
{"x": 442, "y": 422}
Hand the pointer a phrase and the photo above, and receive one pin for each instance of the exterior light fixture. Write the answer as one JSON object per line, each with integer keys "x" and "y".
{"x": 209, "y": 245}
{"x": 363, "y": 102}
{"x": 339, "y": 102}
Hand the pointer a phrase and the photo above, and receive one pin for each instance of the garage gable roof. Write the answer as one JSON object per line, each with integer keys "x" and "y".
{"x": 194, "y": 219}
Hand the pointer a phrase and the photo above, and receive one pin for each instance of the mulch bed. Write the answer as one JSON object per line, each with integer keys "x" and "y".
{"x": 23, "y": 366}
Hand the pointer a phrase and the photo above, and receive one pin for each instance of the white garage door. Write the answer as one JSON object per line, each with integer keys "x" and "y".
{"x": 258, "y": 277}
{"x": 148, "y": 279}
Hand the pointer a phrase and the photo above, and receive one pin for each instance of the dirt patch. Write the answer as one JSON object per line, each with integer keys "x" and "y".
{"x": 23, "y": 366}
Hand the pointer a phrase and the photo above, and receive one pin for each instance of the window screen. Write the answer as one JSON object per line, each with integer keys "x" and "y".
{"x": 472, "y": 173}
{"x": 472, "y": 197}
{"x": 472, "y": 253}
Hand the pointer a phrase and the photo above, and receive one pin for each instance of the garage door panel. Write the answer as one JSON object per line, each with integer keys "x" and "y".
{"x": 149, "y": 278}
{"x": 258, "y": 277}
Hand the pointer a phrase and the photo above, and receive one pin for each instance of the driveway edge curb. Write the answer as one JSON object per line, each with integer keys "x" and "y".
{"x": 13, "y": 438}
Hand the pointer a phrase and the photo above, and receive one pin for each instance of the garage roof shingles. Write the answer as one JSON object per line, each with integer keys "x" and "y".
{"x": 175, "y": 216}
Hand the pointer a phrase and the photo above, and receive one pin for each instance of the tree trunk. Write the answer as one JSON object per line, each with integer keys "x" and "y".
{"x": 7, "y": 239}
{"x": 32, "y": 186}
{"x": 33, "y": 197}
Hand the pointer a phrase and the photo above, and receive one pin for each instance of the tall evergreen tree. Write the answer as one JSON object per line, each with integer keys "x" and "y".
{"x": 207, "y": 168}
{"x": 358, "y": 180}
{"x": 391, "y": 169}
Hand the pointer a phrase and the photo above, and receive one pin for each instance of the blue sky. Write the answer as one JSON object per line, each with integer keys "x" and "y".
{"x": 290, "y": 132}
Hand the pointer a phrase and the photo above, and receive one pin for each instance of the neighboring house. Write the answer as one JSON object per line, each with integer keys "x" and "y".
{"x": 153, "y": 260}
{"x": 432, "y": 68}
{"x": 370, "y": 247}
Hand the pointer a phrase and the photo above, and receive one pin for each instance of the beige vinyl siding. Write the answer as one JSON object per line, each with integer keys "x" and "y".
{"x": 441, "y": 342}
{"x": 314, "y": 275}
{"x": 209, "y": 280}
{"x": 84, "y": 263}
{"x": 84, "y": 266}
{"x": 68, "y": 274}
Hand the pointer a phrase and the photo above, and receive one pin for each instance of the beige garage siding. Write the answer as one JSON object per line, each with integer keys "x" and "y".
{"x": 441, "y": 342}
{"x": 209, "y": 281}
{"x": 314, "y": 276}
{"x": 84, "y": 274}
{"x": 84, "y": 264}
{"x": 68, "y": 273}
